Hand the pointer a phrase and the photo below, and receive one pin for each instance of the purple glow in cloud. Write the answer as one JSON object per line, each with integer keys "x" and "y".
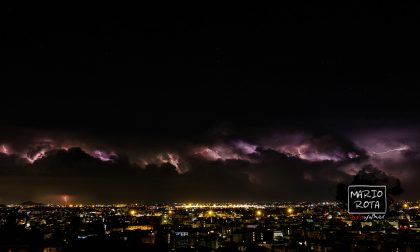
{"x": 237, "y": 150}
{"x": 207, "y": 153}
{"x": 402, "y": 148}
{"x": 38, "y": 150}
{"x": 245, "y": 147}
{"x": 308, "y": 152}
{"x": 352, "y": 155}
{"x": 218, "y": 152}
{"x": 31, "y": 158}
{"x": 166, "y": 157}
{"x": 313, "y": 148}
{"x": 387, "y": 143}
{"x": 174, "y": 160}
{"x": 4, "y": 149}
{"x": 103, "y": 155}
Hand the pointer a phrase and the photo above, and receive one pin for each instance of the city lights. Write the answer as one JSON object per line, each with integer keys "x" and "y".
{"x": 257, "y": 224}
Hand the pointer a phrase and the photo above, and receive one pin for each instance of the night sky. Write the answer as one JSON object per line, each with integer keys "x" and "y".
{"x": 109, "y": 104}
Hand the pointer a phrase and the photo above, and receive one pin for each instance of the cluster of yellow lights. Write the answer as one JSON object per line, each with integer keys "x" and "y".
{"x": 405, "y": 205}
{"x": 289, "y": 210}
{"x": 79, "y": 205}
{"x": 259, "y": 212}
{"x": 140, "y": 227}
{"x": 191, "y": 205}
{"x": 133, "y": 212}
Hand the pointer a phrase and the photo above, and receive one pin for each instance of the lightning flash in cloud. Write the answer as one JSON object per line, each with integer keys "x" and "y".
{"x": 402, "y": 148}
{"x": 4, "y": 149}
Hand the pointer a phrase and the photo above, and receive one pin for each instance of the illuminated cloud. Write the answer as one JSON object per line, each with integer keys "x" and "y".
{"x": 245, "y": 147}
{"x": 232, "y": 150}
{"x": 387, "y": 151}
{"x": 220, "y": 151}
{"x": 315, "y": 148}
{"x": 387, "y": 143}
{"x": 207, "y": 153}
{"x": 31, "y": 158}
{"x": 38, "y": 150}
{"x": 104, "y": 156}
{"x": 166, "y": 158}
{"x": 174, "y": 160}
{"x": 303, "y": 146}
{"x": 4, "y": 149}
{"x": 252, "y": 167}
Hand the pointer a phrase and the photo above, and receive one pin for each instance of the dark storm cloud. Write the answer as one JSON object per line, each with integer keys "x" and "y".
{"x": 211, "y": 180}
{"x": 10, "y": 163}
{"x": 76, "y": 162}
{"x": 338, "y": 147}
{"x": 281, "y": 174}
{"x": 406, "y": 168}
{"x": 233, "y": 167}
{"x": 315, "y": 147}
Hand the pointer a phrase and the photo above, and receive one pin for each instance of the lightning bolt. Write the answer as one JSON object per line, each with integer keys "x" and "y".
{"x": 102, "y": 155}
{"x": 390, "y": 150}
{"x": 34, "y": 158}
{"x": 65, "y": 198}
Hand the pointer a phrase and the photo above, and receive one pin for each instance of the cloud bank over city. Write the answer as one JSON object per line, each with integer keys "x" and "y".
{"x": 224, "y": 165}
